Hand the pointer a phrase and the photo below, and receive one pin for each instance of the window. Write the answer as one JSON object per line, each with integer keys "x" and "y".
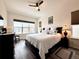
{"x": 1, "y": 22}
{"x": 21, "y": 27}
{"x": 75, "y": 31}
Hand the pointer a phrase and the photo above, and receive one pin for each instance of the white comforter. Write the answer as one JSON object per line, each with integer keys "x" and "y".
{"x": 43, "y": 42}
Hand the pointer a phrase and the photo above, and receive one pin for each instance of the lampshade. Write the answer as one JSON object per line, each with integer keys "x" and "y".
{"x": 65, "y": 27}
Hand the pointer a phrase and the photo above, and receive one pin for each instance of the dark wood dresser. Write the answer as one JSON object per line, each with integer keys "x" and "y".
{"x": 7, "y": 46}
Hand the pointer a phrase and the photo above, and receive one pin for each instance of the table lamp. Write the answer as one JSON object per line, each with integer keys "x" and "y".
{"x": 65, "y": 28}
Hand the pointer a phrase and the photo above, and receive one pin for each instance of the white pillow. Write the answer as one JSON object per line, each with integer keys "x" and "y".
{"x": 50, "y": 31}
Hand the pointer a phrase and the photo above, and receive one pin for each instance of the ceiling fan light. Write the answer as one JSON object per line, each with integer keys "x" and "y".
{"x": 38, "y": 9}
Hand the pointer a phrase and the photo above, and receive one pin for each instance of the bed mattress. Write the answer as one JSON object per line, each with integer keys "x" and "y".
{"x": 43, "y": 42}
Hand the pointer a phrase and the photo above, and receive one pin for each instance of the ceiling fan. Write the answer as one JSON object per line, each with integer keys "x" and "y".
{"x": 37, "y": 4}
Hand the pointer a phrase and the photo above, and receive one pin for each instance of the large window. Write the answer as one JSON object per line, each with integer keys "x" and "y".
{"x": 21, "y": 27}
{"x": 75, "y": 31}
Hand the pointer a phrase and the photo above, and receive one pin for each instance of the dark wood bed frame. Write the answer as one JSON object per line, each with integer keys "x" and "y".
{"x": 35, "y": 50}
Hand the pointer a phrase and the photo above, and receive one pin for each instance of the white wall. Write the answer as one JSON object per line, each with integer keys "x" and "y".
{"x": 60, "y": 10}
{"x": 12, "y": 16}
{"x": 8, "y": 17}
{"x": 3, "y": 12}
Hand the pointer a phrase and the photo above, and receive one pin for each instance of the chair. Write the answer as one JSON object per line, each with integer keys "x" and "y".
{"x": 17, "y": 38}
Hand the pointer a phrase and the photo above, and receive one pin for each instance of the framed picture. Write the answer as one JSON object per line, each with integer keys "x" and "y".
{"x": 50, "y": 20}
{"x": 40, "y": 23}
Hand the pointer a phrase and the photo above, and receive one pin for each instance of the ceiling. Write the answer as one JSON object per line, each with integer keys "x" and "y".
{"x": 21, "y": 7}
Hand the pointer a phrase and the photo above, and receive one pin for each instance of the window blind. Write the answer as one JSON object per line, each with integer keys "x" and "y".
{"x": 23, "y": 21}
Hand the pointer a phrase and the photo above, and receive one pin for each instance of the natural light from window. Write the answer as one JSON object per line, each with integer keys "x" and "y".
{"x": 75, "y": 31}
{"x": 1, "y": 22}
{"x": 23, "y": 27}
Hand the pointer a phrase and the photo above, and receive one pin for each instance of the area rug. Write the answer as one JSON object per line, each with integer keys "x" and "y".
{"x": 62, "y": 53}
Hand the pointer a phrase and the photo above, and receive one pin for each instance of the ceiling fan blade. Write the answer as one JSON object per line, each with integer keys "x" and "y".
{"x": 41, "y": 2}
{"x": 33, "y": 5}
{"x": 37, "y": 4}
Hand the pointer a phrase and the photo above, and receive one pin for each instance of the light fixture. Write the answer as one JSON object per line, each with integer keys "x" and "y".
{"x": 37, "y": 4}
{"x": 37, "y": 8}
{"x": 65, "y": 28}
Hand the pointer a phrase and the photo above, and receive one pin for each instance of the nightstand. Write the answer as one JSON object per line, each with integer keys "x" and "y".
{"x": 74, "y": 43}
{"x": 65, "y": 42}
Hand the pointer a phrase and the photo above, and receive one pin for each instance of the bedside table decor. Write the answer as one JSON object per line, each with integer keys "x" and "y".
{"x": 65, "y": 40}
{"x": 65, "y": 28}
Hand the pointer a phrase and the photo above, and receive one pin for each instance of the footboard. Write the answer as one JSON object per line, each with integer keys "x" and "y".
{"x": 34, "y": 50}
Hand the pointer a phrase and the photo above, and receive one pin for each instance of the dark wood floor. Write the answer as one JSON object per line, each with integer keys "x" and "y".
{"x": 23, "y": 52}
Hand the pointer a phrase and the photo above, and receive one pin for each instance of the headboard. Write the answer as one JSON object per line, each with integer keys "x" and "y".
{"x": 59, "y": 30}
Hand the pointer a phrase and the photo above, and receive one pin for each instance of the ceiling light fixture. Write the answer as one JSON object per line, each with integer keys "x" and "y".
{"x": 37, "y": 4}
{"x": 38, "y": 8}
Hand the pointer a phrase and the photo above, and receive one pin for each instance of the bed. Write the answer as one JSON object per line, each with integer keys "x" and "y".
{"x": 43, "y": 42}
